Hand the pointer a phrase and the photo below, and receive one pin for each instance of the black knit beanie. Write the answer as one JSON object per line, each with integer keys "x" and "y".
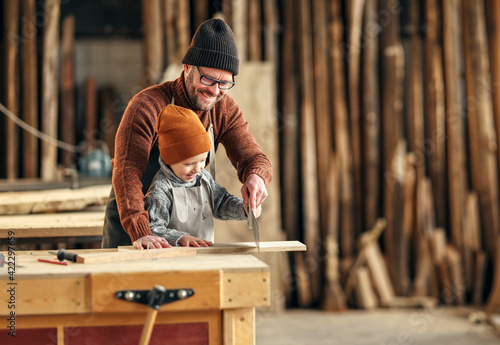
{"x": 213, "y": 46}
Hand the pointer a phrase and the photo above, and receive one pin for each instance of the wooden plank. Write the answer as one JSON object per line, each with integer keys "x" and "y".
{"x": 239, "y": 326}
{"x": 91, "y": 132}
{"x": 289, "y": 138}
{"x": 341, "y": 135}
{"x": 435, "y": 117}
{"x": 371, "y": 118}
{"x": 324, "y": 144}
{"x": 271, "y": 49}
{"x": 308, "y": 145}
{"x": 53, "y": 200}
{"x": 53, "y": 225}
{"x": 365, "y": 296}
{"x": 455, "y": 292}
{"x": 66, "y": 295}
{"x": 68, "y": 89}
{"x": 127, "y": 255}
{"x": 50, "y": 87}
{"x": 254, "y": 31}
{"x": 170, "y": 34}
{"x": 482, "y": 136}
{"x": 30, "y": 89}
{"x": 11, "y": 24}
{"x": 455, "y": 124}
{"x": 492, "y": 11}
{"x": 206, "y": 283}
{"x": 493, "y": 304}
{"x": 183, "y": 29}
{"x": 109, "y": 122}
{"x": 152, "y": 15}
{"x": 240, "y": 27}
{"x": 241, "y": 247}
{"x": 236, "y": 292}
{"x": 355, "y": 22}
{"x": 472, "y": 237}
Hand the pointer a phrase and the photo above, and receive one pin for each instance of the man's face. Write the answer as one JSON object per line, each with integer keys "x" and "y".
{"x": 204, "y": 97}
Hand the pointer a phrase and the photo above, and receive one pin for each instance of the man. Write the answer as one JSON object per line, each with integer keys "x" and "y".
{"x": 209, "y": 67}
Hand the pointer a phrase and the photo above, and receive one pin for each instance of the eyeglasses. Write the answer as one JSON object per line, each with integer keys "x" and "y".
{"x": 209, "y": 81}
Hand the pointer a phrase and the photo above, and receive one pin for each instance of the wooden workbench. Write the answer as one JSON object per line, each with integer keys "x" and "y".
{"x": 76, "y": 304}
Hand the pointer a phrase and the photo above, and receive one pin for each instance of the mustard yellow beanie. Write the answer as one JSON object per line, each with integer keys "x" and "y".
{"x": 181, "y": 134}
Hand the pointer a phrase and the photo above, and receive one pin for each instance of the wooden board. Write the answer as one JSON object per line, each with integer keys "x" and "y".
{"x": 127, "y": 255}
{"x": 54, "y": 200}
{"x": 240, "y": 247}
{"x": 64, "y": 224}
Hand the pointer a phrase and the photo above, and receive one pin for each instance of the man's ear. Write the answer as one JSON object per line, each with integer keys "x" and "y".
{"x": 186, "y": 68}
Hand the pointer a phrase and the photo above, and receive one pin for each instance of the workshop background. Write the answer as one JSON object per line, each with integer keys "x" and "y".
{"x": 381, "y": 117}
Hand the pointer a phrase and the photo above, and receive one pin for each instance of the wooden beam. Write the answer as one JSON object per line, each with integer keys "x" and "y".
{"x": 254, "y": 30}
{"x": 68, "y": 90}
{"x": 371, "y": 119}
{"x": 50, "y": 87}
{"x": 482, "y": 136}
{"x": 308, "y": 144}
{"x": 30, "y": 89}
{"x": 152, "y": 20}
{"x": 12, "y": 39}
{"x": 53, "y": 200}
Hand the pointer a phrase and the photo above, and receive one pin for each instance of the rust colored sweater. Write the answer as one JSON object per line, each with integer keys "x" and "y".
{"x": 136, "y": 137}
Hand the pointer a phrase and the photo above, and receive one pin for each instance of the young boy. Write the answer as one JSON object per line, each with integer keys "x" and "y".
{"x": 183, "y": 197}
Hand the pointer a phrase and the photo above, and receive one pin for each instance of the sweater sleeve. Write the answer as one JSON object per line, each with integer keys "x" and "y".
{"x": 226, "y": 205}
{"x": 134, "y": 140}
{"x": 158, "y": 203}
{"x": 241, "y": 147}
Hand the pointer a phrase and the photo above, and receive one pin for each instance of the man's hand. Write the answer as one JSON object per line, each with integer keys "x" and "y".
{"x": 154, "y": 242}
{"x": 191, "y": 241}
{"x": 253, "y": 191}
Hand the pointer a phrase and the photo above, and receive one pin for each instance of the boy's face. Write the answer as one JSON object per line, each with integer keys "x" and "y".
{"x": 189, "y": 168}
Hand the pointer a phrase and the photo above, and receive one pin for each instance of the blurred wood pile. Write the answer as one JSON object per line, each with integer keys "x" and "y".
{"x": 389, "y": 124}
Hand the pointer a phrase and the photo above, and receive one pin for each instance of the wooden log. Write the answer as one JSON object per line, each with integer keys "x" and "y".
{"x": 322, "y": 109}
{"x": 30, "y": 89}
{"x": 392, "y": 72}
{"x": 341, "y": 135}
{"x": 183, "y": 28}
{"x": 408, "y": 225}
{"x": 365, "y": 296}
{"x": 415, "y": 89}
{"x": 455, "y": 121}
{"x": 480, "y": 263}
{"x": 482, "y": 136}
{"x": 200, "y": 11}
{"x": 53, "y": 200}
{"x": 308, "y": 144}
{"x": 493, "y": 304}
{"x": 378, "y": 271}
{"x": 371, "y": 118}
{"x": 353, "y": 54}
{"x": 240, "y": 27}
{"x": 153, "y": 42}
{"x": 109, "y": 122}
{"x": 270, "y": 31}
{"x": 492, "y": 10}
{"x": 290, "y": 136}
{"x": 334, "y": 298}
{"x": 170, "y": 15}
{"x": 68, "y": 89}
{"x": 254, "y": 30}
{"x": 472, "y": 237}
{"x": 12, "y": 41}
{"x": 50, "y": 87}
{"x": 434, "y": 146}
{"x": 456, "y": 290}
{"x": 91, "y": 133}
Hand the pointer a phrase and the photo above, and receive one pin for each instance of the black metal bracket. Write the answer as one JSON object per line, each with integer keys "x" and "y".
{"x": 156, "y": 297}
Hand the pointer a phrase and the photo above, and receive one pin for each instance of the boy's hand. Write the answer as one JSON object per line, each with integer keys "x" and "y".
{"x": 191, "y": 241}
{"x": 155, "y": 242}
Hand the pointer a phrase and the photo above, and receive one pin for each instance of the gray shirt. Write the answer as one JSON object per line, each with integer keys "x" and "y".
{"x": 159, "y": 202}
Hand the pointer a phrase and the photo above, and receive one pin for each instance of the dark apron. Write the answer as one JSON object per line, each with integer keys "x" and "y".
{"x": 113, "y": 234}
